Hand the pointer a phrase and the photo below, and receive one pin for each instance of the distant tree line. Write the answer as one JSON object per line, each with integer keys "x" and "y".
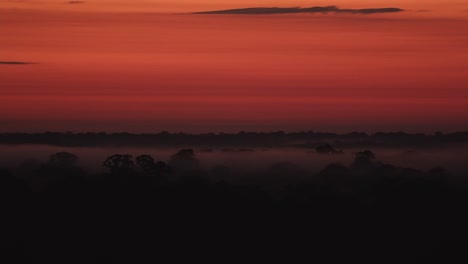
{"x": 308, "y": 139}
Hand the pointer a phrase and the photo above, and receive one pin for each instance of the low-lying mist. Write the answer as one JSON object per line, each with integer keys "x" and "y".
{"x": 243, "y": 163}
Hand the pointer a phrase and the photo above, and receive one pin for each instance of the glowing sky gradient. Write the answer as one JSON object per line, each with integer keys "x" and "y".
{"x": 147, "y": 66}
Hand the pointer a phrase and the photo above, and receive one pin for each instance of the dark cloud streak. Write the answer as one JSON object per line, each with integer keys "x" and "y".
{"x": 16, "y": 62}
{"x": 293, "y": 10}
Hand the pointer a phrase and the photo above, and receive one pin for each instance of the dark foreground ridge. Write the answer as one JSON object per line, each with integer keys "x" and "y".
{"x": 295, "y": 10}
{"x": 144, "y": 210}
{"x": 278, "y": 139}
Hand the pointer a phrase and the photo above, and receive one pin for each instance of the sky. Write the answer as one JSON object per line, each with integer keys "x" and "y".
{"x": 149, "y": 66}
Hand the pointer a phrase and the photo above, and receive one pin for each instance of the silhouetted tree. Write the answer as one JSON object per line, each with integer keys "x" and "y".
{"x": 63, "y": 163}
{"x": 119, "y": 163}
{"x": 184, "y": 160}
{"x": 158, "y": 169}
{"x": 146, "y": 162}
{"x": 60, "y": 173}
{"x": 366, "y": 154}
{"x": 62, "y": 160}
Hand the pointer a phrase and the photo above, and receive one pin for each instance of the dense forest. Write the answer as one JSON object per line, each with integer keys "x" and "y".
{"x": 143, "y": 209}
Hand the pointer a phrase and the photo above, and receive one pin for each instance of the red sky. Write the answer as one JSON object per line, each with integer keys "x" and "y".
{"x": 138, "y": 66}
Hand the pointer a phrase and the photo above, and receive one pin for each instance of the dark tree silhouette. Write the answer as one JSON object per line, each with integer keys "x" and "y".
{"x": 158, "y": 169}
{"x": 366, "y": 154}
{"x": 62, "y": 160}
{"x": 184, "y": 160}
{"x": 146, "y": 162}
{"x": 60, "y": 173}
{"x": 119, "y": 163}
{"x": 388, "y": 206}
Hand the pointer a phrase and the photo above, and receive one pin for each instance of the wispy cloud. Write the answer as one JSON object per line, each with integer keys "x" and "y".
{"x": 17, "y": 62}
{"x": 289, "y": 10}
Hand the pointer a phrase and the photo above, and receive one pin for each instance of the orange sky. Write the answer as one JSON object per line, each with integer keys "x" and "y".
{"x": 146, "y": 71}
{"x": 451, "y": 7}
